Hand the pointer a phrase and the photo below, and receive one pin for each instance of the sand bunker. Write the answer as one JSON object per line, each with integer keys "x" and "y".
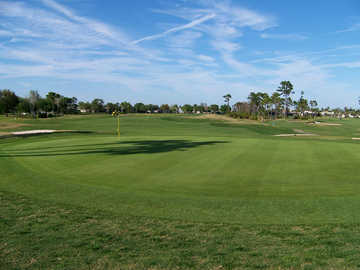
{"x": 325, "y": 124}
{"x": 36, "y": 132}
{"x": 30, "y": 132}
{"x": 296, "y": 135}
{"x": 296, "y": 121}
{"x": 357, "y": 139}
{"x": 300, "y": 131}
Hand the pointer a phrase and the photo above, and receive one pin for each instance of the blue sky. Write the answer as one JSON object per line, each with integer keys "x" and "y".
{"x": 184, "y": 51}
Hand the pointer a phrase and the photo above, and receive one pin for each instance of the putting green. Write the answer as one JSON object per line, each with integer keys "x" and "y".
{"x": 190, "y": 169}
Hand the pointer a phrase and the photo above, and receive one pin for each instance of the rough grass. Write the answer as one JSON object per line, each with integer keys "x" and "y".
{"x": 42, "y": 235}
{"x": 11, "y": 125}
{"x": 4, "y": 133}
{"x": 228, "y": 119}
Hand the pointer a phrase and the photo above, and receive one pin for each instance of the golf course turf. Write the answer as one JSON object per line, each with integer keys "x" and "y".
{"x": 182, "y": 192}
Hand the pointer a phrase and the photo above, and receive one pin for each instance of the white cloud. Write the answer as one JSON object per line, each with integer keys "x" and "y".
{"x": 352, "y": 28}
{"x": 184, "y": 39}
{"x": 205, "y": 58}
{"x": 241, "y": 17}
{"x": 59, "y": 8}
{"x": 355, "y": 64}
{"x": 36, "y": 22}
{"x": 284, "y": 36}
{"x": 176, "y": 29}
{"x": 98, "y": 27}
{"x": 226, "y": 14}
{"x": 4, "y": 33}
{"x": 228, "y": 23}
{"x": 226, "y": 46}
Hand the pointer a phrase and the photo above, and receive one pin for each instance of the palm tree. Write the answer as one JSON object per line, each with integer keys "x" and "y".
{"x": 286, "y": 89}
{"x": 302, "y": 104}
{"x": 266, "y": 102}
{"x": 227, "y": 98}
{"x": 255, "y": 100}
{"x": 313, "y": 105}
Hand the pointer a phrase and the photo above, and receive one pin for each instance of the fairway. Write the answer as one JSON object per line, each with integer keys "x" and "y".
{"x": 213, "y": 172}
{"x": 188, "y": 169}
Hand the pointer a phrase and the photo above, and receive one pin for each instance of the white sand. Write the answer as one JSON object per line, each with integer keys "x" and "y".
{"x": 325, "y": 124}
{"x": 290, "y": 135}
{"x": 42, "y": 131}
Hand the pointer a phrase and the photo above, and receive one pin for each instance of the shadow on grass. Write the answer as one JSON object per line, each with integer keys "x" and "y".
{"x": 120, "y": 148}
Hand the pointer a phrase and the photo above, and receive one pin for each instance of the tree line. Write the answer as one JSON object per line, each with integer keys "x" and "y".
{"x": 35, "y": 105}
{"x": 259, "y": 105}
{"x": 281, "y": 104}
{"x": 54, "y": 104}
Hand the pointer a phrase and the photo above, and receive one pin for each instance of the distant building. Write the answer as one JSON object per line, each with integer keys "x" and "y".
{"x": 327, "y": 113}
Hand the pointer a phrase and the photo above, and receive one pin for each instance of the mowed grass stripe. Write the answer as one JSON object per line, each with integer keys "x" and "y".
{"x": 201, "y": 172}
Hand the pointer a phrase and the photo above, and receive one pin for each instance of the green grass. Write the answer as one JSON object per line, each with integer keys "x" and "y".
{"x": 179, "y": 192}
